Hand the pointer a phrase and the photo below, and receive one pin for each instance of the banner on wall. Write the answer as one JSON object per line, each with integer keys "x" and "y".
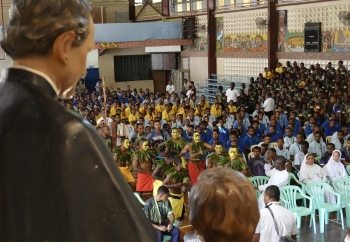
{"x": 342, "y": 41}
{"x": 282, "y": 30}
{"x": 245, "y": 43}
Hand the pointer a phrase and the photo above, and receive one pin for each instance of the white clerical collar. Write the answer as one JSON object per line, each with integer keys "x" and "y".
{"x": 46, "y": 77}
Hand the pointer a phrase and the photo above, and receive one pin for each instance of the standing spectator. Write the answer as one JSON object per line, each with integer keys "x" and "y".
{"x": 269, "y": 105}
{"x": 275, "y": 220}
{"x": 98, "y": 84}
{"x": 232, "y": 94}
{"x": 170, "y": 88}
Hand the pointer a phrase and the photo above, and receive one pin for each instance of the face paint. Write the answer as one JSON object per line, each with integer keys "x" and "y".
{"x": 233, "y": 152}
{"x": 196, "y": 137}
{"x": 175, "y": 133}
{"x": 218, "y": 149}
{"x": 126, "y": 143}
{"x": 145, "y": 146}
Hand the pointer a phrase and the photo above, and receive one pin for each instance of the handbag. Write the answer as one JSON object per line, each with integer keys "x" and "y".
{"x": 286, "y": 238}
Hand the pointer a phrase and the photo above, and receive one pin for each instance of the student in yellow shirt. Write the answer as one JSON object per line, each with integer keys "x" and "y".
{"x": 166, "y": 115}
{"x": 199, "y": 111}
{"x": 213, "y": 106}
{"x": 133, "y": 117}
{"x": 267, "y": 74}
{"x": 232, "y": 108}
{"x": 216, "y": 111}
{"x": 176, "y": 107}
{"x": 150, "y": 115}
{"x": 144, "y": 109}
{"x": 160, "y": 106}
{"x": 113, "y": 109}
{"x": 204, "y": 103}
{"x": 279, "y": 68}
{"x": 123, "y": 113}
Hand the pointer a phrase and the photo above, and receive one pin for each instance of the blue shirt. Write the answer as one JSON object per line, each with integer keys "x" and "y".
{"x": 277, "y": 127}
{"x": 207, "y": 135}
{"x": 223, "y": 134}
{"x": 275, "y": 137}
{"x": 248, "y": 141}
{"x": 330, "y": 131}
{"x": 325, "y": 125}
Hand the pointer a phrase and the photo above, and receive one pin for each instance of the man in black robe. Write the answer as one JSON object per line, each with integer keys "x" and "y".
{"x": 58, "y": 181}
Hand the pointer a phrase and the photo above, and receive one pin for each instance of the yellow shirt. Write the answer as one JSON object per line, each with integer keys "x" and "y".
{"x": 160, "y": 108}
{"x": 112, "y": 112}
{"x": 216, "y": 112}
{"x": 213, "y": 107}
{"x": 267, "y": 75}
{"x": 232, "y": 109}
{"x": 206, "y": 105}
{"x": 97, "y": 117}
{"x": 175, "y": 109}
{"x": 143, "y": 110}
{"x": 124, "y": 115}
{"x": 166, "y": 115}
{"x": 150, "y": 117}
{"x": 133, "y": 118}
{"x": 199, "y": 114}
{"x": 279, "y": 69}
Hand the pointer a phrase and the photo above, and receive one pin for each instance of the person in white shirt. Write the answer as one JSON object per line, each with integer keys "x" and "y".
{"x": 122, "y": 130}
{"x": 339, "y": 143}
{"x": 311, "y": 137}
{"x": 299, "y": 157}
{"x": 278, "y": 176}
{"x": 170, "y": 88}
{"x": 296, "y": 146}
{"x": 104, "y": 120}
{"x": 269, "y": 105}
{"x": 263, "y": 119}
{"x": 232, "y": 94}
{"x": 266, "y": 141}
{"x": 289, "y": 139}
{"x": 310, "y": 172}
{"x": 317, "y": 147}
{"x": 281, "y": 151}
{"x": 346, "y": 134}
{"x": 284, "y": 219}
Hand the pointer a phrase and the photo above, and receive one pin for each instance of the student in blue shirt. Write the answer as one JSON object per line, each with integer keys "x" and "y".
{"x": 249, "y": 140}
{"x": 223, "y": 132}
{"x": 331, "y": 129}
{"x": 206, "y": 132}
{"x": 325, "y": 125}
{"x": 274, "y": 135}
{"x": 258, "y": 132}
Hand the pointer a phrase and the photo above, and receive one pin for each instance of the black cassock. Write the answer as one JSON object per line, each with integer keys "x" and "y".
{"x": 58, "y": 181}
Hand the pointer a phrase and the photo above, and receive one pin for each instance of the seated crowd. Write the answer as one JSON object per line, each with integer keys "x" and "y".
{"x": 289, "y": 119}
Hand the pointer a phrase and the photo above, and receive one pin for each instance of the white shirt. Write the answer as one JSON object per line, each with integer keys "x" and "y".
{"x": 310, "y": 138}
{"x": 269, "y": 104}
{"x": 338, "y": 145}
{"x": 232, "y": 95}
{"x": 170, "y": 89}
{"x": 284, "y": 152}
{"x": 335, "y": 136}
{"x": 109, "y": 122}
{"x": 294, "y": 148}
{"x": 288, "y": 141}
{"x": 122, "y": 129}
{"x": 285, "y": 219}
{"x": 298, "y": 159}
{"x": 317, "y": 148}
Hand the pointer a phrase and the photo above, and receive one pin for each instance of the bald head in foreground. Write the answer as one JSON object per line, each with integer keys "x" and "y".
{"x": 223, "y": 206}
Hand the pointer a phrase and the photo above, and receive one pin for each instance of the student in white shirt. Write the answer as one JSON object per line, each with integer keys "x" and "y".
{"x": 289, "y": 139}
{"x": 281, "y": 151}
{"x": 339, "y": 143}
{"x": 311, "y": 137}
{"x": 317, "y": 147}
{"x": 346, "y": 134}
{"x": 278, "y": 176}
{"x": 285, "y": 219}
{"x": 295, "y": 147}
{"x": 299, "y": 157}
{"x": 269, "y": 105}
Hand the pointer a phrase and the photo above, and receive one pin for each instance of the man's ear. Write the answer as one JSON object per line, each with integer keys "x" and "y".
{"x": 61, "y": 46}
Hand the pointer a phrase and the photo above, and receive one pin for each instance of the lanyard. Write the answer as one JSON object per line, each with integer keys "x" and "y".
{"x": 160, "y": 217}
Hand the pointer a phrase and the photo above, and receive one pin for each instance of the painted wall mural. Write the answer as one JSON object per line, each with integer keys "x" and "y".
{"x": 332, "y": 41}
{"x": 199, "y": 45}
{"x": 245, "y": 43}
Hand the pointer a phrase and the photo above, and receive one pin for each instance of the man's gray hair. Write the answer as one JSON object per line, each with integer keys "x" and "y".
{"x": 34, "y": 25}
